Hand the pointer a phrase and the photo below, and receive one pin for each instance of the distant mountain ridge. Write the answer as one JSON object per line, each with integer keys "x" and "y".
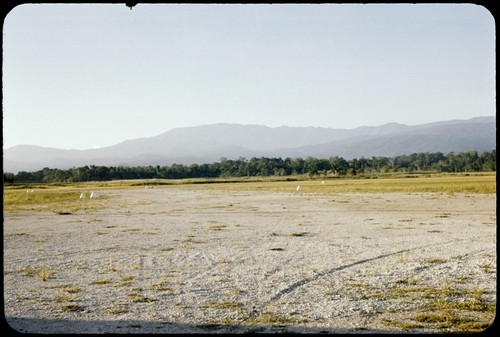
{"x": 209, "y": 143}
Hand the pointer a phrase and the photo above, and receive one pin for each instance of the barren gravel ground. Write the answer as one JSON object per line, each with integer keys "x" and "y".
{"x": 187, "y": 260}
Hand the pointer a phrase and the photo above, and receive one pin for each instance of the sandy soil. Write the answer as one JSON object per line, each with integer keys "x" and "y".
{"x": 171, "y": 259}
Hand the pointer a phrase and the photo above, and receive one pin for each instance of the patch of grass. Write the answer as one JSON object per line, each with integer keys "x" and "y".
{"x": 71, "y": 308}
{"x": 101, "y": 282}
{"x": 224, "y": 305}
{"x": 191, "y": 239}
{"x": 65, "y": 297}
{"x": 162, "y": 285}
{"x": 407, "y": 282}
{"x": 235, "y": 291}
{"x": 27, "y": 271}
{"x": 72, "y": 290}
{"x": 26, "y": 298}
{"x": 65, "y": 287}
{"x": 217, "y": 228}
{"x": 270, "y": 318}
{"x": 403, "y": 325}
{"x": 434, "y": 260}
{"x": 443, "y": 318}
{"x": 445, "y": 308}
{"x": 125, "y": 281}
{"x": 265, "y": 318}
{"x": 115, "y": 269}
{"x": 131, "y": 230}
{"x": 139, "y": 298}
{"x": 474, "y": 301}
{"x": 46, "y": 273}
{"x": 486, "y": 267}
{"x": 117, "y": 311}
{"x": 61, "y": 199}
{"x": 6, "y": 236}
{"x": 402, "y": 258}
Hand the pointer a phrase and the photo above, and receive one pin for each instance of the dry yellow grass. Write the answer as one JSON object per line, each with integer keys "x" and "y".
{"x": 64, "y": 198}
{"x": 484, "y": 183}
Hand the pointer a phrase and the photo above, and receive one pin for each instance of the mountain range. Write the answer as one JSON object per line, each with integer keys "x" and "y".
{"x": 210, "y": 143}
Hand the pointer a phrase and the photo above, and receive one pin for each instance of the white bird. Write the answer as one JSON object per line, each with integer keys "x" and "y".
{"x": 298, "y": 188}
{"x": 94, "y": 194}
{"x": 83, "y": 195}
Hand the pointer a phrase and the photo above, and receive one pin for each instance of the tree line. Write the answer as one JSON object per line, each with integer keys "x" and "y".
{"x": 469, "y": 161}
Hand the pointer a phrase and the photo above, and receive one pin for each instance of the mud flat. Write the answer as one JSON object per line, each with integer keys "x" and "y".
{"x": 188, "y": 260}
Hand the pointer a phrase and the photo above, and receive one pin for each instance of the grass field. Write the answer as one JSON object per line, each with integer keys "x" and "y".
{"x": 437, "y": 184}
{"x": 65, "y": 197}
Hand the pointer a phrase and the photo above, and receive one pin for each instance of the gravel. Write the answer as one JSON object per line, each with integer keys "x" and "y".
{"x": 188, "y": 260}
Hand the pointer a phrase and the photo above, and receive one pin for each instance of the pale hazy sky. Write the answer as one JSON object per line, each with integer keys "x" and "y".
{"x": 83, "y": 76}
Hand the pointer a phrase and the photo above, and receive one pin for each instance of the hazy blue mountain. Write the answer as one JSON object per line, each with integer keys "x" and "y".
{"x": 209, "y": 143}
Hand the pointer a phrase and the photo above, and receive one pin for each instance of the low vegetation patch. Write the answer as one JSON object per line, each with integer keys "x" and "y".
{"x": 46, "y": 273}
{"x": 101, "y": 282}
{"x": 162, "y": 285}
{"x": 265, "y": 318}
{"x": 12, "y": 235}
{"x": 61, "y": 199}
{"x": 217, "y": 228}
{"x": 224, "y": 305}
{"x": 117, "y": 311}
{"x": 137, "y": 298}
{"x": 434, "y": 260}
{"x": 71, "y": 308}
{"x": 446, "y": 308}
{"x": 65, "y": 296}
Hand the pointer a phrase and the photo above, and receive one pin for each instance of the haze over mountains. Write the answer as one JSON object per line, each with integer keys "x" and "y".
{"x": 209, "y": 143}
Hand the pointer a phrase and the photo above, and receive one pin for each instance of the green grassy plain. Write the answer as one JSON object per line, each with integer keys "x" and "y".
{"x": 63, "y": 198}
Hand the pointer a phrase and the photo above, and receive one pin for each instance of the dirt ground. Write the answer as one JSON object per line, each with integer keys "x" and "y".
{"x": 187, "y": 260}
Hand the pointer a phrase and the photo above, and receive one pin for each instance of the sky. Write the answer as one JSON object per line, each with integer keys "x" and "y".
{"x": 81, "y": 76}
